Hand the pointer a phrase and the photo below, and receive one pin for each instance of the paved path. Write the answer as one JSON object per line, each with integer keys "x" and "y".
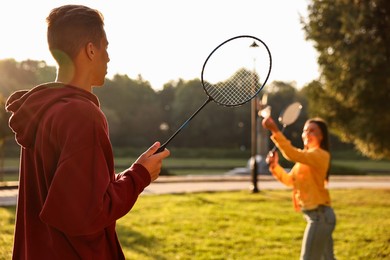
{"x": 187, "y": 184}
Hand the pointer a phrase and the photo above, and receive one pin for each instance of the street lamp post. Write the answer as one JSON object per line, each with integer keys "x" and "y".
{"x": 253, "y": 161}
{"x": 264, "y": 110}
{"x": 254, "y": 102}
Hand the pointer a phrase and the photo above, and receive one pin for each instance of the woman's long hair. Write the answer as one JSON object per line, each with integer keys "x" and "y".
{"x": 325, "y": 144}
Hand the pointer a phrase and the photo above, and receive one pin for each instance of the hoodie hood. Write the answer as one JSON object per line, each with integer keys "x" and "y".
{"x": 28, "y": 107}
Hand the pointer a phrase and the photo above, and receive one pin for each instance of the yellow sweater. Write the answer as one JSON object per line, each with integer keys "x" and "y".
{"x": 307, "y": 177}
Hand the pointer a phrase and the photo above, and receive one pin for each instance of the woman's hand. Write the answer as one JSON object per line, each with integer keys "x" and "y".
{"x": 269, "y": 123}
{"x": 272, "y": 159}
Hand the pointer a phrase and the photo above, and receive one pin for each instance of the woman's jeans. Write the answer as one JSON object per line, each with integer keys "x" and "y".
{"x": 317, "y": 241}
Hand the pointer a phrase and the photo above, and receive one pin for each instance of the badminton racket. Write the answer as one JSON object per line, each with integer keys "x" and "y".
{"x": 288, "y": 117}
{"x": 233, "y": 74}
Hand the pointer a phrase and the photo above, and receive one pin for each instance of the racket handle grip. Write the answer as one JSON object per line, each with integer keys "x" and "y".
{"x": 160, "y": 149}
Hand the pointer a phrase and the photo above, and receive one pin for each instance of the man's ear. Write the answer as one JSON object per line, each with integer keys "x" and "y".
{"x": 90, "y": 50}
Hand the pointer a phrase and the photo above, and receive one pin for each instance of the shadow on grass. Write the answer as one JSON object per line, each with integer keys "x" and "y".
{"x": 137, "y": 242}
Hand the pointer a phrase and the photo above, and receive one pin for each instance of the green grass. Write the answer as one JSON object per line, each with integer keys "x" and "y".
{"x": 218, "y": 161}
{"x": 364, "y": 165}
{"x": 192, "y": 162}
{"x": 185, "y": 166}
{"x": 240, "y": 225}
{"x": 199, "y": 166}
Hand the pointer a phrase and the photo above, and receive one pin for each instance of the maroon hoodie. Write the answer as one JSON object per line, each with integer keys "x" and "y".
{"x": 69, "y": 196}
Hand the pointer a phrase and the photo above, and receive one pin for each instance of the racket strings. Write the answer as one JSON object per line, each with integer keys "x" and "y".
{"x": 236, "y": 90}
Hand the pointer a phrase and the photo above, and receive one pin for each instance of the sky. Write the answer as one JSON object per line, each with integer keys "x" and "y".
{"x": 165, "y": 40}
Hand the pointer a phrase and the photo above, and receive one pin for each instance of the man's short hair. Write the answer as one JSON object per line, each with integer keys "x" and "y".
{"x": 70, "y": 28}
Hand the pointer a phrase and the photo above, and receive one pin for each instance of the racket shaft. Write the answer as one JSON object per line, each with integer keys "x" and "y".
{"x": 162, "y": 147}
{"x": 275, "y": 148}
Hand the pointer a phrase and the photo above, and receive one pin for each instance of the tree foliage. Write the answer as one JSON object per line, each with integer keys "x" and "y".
{"x": 138, "y": 115}
{"x": 22, "y": 75}
{"x": 131, "y": 108}
{"x": 352, "y": 38}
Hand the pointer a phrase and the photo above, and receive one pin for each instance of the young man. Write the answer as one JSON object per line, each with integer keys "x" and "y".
{"x": 69, "y": 196}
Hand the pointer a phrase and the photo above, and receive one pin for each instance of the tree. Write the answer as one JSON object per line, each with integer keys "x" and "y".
{"x": 353, "y": 41}
{"x": 5, "y": 132}
{"x": 166, "y": 98}
{"x": 23, "y": 75}
{"x": 132, "y": 110}
{"x": 189, "y": 96}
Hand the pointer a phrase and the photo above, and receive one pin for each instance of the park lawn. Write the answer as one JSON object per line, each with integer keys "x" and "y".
{"x": 199, "y": 166}
{"x": 367, "y": 166}
{"x": 192, "y": 166}
{"x": 240, "y": 225}
{"x": 215, "y": 166}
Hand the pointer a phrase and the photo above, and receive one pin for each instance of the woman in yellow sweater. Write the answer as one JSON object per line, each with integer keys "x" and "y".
{"x": 308, "y": 178}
